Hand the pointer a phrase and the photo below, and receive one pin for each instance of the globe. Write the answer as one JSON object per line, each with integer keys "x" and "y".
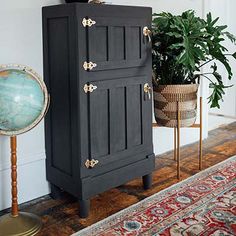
{"x": 23, "y": 99}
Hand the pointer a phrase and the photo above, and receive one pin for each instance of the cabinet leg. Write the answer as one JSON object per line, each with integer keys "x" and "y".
{"x": 84, "y": 207}
{"x": 147, "y": 181}
{"x": 55, "y": 192}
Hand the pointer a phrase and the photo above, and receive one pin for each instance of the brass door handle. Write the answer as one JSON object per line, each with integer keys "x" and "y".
{"x": 147, "y": 89}
{"x": 147, "y": 33}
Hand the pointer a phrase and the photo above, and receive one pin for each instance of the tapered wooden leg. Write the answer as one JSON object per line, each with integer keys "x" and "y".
{"x": 200, "y": 139}
{"x": 84, "y": 207}
{"x": 55, "y": 192}
{"x": 14, "y": 208}
{"x": 175, "y": 140}
{"x": 147, "y": 181}
{"x": 178, "y": 142}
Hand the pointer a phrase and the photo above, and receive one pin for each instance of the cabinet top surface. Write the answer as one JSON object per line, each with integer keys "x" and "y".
{"x": 88, "y": 5}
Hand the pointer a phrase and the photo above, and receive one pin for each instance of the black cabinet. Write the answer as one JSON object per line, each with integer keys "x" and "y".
{"x": 97, "y": 64}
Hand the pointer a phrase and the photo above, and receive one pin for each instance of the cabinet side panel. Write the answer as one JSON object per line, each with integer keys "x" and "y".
{"x": 58, "y": 51}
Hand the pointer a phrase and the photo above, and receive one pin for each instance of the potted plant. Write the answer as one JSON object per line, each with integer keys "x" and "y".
{"x": 181, "y": 46}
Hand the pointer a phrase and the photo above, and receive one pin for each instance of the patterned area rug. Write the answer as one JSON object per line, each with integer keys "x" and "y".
{"x": 202, "y": 205}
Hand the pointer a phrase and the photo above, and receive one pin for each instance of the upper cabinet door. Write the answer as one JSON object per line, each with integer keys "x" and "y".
{"x": 116, "y": 43}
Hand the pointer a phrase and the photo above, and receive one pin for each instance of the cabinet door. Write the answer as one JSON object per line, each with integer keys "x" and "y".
{"x": 119, "y": 121}
{"x": 116, "y": 43}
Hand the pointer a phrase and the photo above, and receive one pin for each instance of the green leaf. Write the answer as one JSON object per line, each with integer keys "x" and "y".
{"x": 217, "y": 94}
{"x": 218, "y": 77}
{"x": 160, "y": 23}
{"x": 214, "y": 67}
{"x": 214, "y": 21}
{"x": 231, "y": 37}
{"x": 221, "y": 57}
{"x": 176, "y": 46}
{"x": 209, "y": 18}
{"x": 234, "y": 55}
{"x": 175, "y": 34}
{"x": 215, "y": 97}
{"x": 222, "y": 27}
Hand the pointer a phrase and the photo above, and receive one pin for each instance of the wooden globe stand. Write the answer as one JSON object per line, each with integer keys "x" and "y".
{"x": 21, "y": 223}
{"x": 18, "y": 223}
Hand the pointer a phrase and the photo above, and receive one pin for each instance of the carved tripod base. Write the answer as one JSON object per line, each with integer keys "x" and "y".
{"x": 18, "y": 223}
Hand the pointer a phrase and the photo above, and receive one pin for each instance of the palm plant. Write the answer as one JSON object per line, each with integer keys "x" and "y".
{"x": 183, "y": 44}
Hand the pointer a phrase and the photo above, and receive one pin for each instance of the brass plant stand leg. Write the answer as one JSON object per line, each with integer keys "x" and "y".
{"x": 175, "y": 143}
{"x": 200, "y": 139}
{"x": 178, "y": 141}
{"x": 18, "y": 223}
{"x": 177, "y": 138}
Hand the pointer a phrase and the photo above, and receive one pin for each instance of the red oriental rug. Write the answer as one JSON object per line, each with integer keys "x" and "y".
{"x": 202, "y": 205}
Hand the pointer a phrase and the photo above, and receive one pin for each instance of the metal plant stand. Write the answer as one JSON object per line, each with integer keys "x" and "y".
{"x": 177, "y": 138}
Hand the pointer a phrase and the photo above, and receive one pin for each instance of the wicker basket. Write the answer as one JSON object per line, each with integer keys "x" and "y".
{"x": 165, "y": 104}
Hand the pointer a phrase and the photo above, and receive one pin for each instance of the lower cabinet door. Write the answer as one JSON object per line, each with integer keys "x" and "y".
{"x": 119, "y": 121}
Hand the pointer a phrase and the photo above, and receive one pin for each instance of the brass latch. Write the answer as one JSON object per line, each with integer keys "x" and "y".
{"x": 147, "y": 89}
{"x": 89, "y": 88}
{"x": 147, "y": 33}
{"x": 89, "y": 65}
{"x": 91, "y": 163}
{"x": 88, "y": 22}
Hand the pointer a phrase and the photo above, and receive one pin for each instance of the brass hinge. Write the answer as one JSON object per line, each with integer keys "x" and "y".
{"x": 89, "y": 88}
{"x": 89, "y": 65}
{"x": 88, "y": 22}
{"x": 91, "y": 163}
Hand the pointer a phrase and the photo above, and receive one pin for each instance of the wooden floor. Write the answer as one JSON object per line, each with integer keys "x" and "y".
{"x": 60, "y": 217}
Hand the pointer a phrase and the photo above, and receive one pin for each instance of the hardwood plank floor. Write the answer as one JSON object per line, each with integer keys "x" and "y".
{"x": 60, "y": 217}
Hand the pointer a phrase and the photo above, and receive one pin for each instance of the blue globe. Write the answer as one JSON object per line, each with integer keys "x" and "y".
{"x": 22, "y": 101}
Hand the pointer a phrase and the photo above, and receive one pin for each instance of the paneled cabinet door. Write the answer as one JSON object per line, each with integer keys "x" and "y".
{"x": 119, "y": 120}
{"x": 116, "y": 43}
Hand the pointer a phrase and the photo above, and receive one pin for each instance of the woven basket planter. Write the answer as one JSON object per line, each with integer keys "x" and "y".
{"x": 165, "y": 104}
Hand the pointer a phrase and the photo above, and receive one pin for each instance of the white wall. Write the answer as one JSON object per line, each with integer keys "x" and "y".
{"x": 225, "y": 9}
{"x": 21, "y": 42}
